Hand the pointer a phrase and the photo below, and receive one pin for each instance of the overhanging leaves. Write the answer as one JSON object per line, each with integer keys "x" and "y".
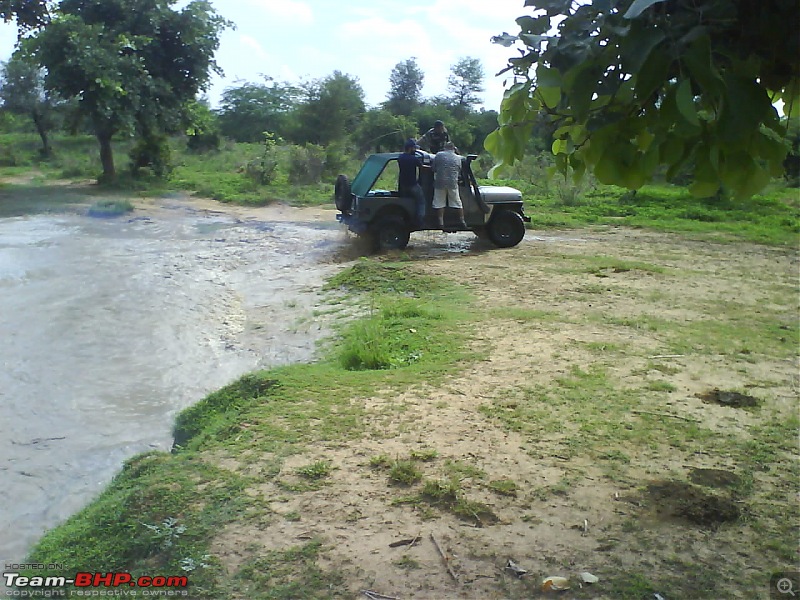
{"x": 634, "y": 84}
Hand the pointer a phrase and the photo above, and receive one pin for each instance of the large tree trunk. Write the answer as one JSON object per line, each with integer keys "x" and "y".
{"x": 106, "y": 155}
{"x": 39, "y": 121}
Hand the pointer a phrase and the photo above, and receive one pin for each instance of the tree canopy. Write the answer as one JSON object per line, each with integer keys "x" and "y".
{"x": 22, "y": 91}
{"x": 465, "y": 83}
{"x": 133, "y": 65}
{"x": 636, "y": 84}
{"x": 332, "y": 108}
{"x": 30, "y": 14}
{"x": 405, "y": 87}
{"x": 250, "y": 109}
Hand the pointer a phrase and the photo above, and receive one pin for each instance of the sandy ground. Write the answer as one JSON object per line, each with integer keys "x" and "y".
{"x": 568, "y": 515}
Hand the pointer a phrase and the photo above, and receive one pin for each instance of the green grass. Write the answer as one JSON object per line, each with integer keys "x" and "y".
{"x": 770, "y": 218}
{"x": 404, "y": 472}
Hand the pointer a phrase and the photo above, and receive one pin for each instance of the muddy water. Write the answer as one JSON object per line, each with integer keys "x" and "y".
{"x": 109, "y": 327}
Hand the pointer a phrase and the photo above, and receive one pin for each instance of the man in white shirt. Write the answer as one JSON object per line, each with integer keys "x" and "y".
{"x": 446, "y": 170}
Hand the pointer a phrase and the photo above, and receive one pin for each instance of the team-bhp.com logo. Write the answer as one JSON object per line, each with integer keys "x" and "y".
{"x": 94, "y": 584}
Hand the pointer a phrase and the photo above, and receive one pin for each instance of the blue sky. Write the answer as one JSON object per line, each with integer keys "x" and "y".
{"x": 295, "y": 40}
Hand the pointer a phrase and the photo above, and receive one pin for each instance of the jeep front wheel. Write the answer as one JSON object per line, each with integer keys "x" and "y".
{"x": 506, "y": 229}
{"x": 392, "y": 233}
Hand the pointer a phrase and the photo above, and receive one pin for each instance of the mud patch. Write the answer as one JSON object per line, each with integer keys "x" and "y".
{"x": 716, "y": 478}
{"x": 679, "y": 500}
{"x": 734, "y": 399}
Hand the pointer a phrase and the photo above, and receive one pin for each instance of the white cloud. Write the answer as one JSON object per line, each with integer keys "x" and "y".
{"x": 254, "y": 49}
{"x": 285, "y": 10}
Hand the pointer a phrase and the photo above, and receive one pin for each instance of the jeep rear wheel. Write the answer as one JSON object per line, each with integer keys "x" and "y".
{"x": 342, "y": 194}
{"x": 391, "y": 233}
{"x": 506, "y": 229}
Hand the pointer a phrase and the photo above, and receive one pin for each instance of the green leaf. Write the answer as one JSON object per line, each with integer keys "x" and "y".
{"x": 770, "y": 145}
{"x": 652, "y": 75}
{"x": 700, "y": 63}
{"x": 671, "y": 150}
{"x": 743, "y": 175}
{"x": 636, "y": 47}
{"x": 548, "y": 77}
{"x": 706, "y": 177}
{"x": 608, "y": 169}
{"x": 559, "y": 147}
{"x": 685, "y": 103}
{"x": 744, "y": 107}
{"x": 638, "y": 7}
{"x": 643, "y": 140}
{"x": 549, "y": 96}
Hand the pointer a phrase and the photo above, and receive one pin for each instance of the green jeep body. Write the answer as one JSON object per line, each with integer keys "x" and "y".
{"x": 387, "y": 218}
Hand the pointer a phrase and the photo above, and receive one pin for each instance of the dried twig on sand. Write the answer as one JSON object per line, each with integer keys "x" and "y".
{"x": 445, "y": 558}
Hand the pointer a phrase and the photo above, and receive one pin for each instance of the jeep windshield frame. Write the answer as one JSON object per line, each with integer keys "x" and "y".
{"x": 370, "y": 171}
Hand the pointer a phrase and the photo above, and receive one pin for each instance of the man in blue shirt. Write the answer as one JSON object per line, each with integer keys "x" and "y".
{"x": 409, "y": 164}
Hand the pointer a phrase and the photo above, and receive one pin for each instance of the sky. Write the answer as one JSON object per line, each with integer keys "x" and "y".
{"x": 300, "y": 40}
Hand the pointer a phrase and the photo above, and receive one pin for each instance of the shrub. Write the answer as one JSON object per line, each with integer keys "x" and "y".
{"x": 306, "y": 164}
{"x": 151, "y": 151}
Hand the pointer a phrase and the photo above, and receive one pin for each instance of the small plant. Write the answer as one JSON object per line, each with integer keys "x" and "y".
{"x": 381, "y": 461}
{"x": 189, "y": 564}
{"x": 110, "y": 208}
{"x": 365, "y": 346}
{"x": 441, "y": 491}
{"x": 424, "y": 454}
{"x": 463, "y": 470}
{"x": 504, "y": 487}
{"x": 406, "y": 562}
{"x": 661, "y": 386}
{"x": 167, "y": 533}
{"x": 317, "y": 470}
{"x": 262, "y": 170}
{"x": 404, "y": 472}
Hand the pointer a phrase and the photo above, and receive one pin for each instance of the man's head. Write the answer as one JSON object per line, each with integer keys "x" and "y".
{"x": 438, "y": 126}
{"x": 410, "y": 145}
{"x": 449, "y": 146}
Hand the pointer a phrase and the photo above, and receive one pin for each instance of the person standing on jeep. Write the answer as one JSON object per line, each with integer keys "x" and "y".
{"x": 409, "y": 164}
{"x": 435, "y": 138}
{"x": 446, "y": 170}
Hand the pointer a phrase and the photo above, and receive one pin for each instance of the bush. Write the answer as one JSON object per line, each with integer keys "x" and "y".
{"x": 204, "y": 141}
{"x": 151, "y": 151}
{"x": 306, "y": 164}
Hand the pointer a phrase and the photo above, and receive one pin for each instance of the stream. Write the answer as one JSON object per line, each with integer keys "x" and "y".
{"x": 109, "y": 327}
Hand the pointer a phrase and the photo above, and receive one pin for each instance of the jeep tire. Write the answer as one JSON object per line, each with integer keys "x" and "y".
{"x": 391, "y": 233}
{"x": 342, "y": 194}
{"x": 506, "y": 229}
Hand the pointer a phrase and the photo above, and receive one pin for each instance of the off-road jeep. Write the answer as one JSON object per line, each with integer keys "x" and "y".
{"x": 370, "y": 208}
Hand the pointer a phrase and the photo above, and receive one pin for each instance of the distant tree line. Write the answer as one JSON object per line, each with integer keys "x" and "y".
{"x": 331, "y": 110}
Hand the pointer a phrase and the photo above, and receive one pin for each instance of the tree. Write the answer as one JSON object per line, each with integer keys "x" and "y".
{"x": 405, "y": 87}
{"x": 250, "y": 109}
{"x": 134, "y": 65}
{"x": 635, "y": 84}
{"x": 30, "y": 14}
{"x": 464, "y": 83}
{"x": 380, "y": 130}
{"x": 332, "y": 109}
{"x": 22, "y": 91}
